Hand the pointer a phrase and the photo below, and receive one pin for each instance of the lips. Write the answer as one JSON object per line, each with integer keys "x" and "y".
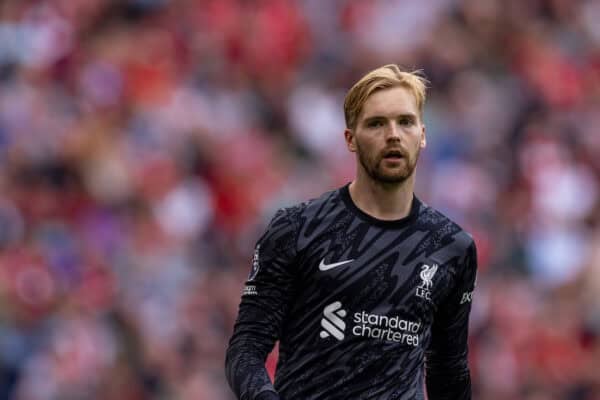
{"x": 393, "y": 154}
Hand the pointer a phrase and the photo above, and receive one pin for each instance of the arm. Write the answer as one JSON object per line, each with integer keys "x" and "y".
{"x": 264, "y": 304}
{"x": 447, "y": 371}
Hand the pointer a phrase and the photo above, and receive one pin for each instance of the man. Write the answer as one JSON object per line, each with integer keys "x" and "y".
{"x": 365, "y": 285}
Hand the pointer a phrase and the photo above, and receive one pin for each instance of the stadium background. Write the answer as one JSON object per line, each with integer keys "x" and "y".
{"x": 144, "y": 144}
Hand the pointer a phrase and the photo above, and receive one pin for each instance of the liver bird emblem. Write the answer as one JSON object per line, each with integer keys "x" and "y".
{"x": 427, "y": 273}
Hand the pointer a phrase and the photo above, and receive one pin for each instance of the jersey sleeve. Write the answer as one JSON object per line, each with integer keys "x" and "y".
{"x": 447, "y": 371}
{"x": 264, "y": 304}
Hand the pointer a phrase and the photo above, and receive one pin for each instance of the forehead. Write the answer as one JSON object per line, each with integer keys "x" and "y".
{"x": 390, "y": 102}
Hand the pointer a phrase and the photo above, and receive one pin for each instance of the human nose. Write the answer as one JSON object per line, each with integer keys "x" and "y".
{"x": 393, "y": 132}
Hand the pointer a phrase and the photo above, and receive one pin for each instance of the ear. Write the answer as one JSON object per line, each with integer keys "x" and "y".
{"x": 423, "y": 142}
{"x": 350, "y": 140}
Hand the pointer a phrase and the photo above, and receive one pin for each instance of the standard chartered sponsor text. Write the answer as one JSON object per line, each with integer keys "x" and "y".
{"x": 382, "y": 327}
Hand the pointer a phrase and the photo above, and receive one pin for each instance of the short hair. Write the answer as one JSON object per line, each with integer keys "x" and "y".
{"x": 385, "y": 77}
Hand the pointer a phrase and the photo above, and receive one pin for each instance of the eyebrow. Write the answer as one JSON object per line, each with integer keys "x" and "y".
{"x": 378, "y": 117}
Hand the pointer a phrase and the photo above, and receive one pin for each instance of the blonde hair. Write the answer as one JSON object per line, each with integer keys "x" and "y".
{"x": 385, "y": 77}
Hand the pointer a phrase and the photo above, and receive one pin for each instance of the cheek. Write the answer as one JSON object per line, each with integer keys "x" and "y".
{"x": 371, "y": 141}
{"x": 419, "y": 141}
{"x": 366, "y": 147}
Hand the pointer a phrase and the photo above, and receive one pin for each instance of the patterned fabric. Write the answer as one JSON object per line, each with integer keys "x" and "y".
{"x": 359, "y": 305}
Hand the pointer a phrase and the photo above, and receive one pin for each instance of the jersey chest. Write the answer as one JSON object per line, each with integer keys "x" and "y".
{"x": 376, "y": 278}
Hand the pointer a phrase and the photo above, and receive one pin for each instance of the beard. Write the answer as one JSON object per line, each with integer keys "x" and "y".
{"x": 373, "y": 166}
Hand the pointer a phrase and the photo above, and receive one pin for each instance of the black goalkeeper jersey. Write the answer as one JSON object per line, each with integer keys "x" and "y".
{"x": 363, "y": 308}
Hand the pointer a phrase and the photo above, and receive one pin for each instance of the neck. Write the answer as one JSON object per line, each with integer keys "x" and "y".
{"x": 385, "y": 201}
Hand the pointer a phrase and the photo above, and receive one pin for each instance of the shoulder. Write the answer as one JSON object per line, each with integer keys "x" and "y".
{"x": 309, "y": 208}
{"x": 283, "y": 231}
{"x": 445, "y": 229}
{"x": 292, "y": 217}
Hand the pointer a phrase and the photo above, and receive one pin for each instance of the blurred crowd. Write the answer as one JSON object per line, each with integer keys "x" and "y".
{"x": 145, "y": 144}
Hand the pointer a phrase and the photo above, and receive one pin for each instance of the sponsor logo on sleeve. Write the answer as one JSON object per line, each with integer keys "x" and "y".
{"x": 249, "y": 290}
{"x": 467, "y": 297}
{"x": 255, "y": 263}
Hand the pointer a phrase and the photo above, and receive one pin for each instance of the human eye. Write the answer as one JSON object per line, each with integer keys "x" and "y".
{"x": 406, "y": 121}
{"x": 375, "y": 123}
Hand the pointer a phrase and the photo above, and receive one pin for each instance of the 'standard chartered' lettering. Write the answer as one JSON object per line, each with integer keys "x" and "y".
{"x": 383, "y": 327}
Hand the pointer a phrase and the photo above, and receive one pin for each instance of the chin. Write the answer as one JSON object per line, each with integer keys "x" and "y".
{"x": 390, "y": 178}
{"x": 397, "y": 175}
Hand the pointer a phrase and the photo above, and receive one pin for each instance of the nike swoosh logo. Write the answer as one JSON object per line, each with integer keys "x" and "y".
{"x": 326, "y": 267}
